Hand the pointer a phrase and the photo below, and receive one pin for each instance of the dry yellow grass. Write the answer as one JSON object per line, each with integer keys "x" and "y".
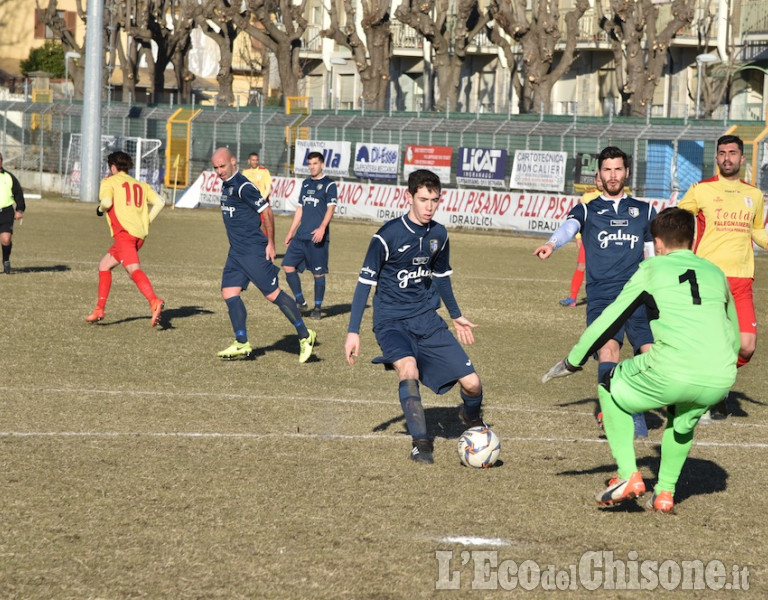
{"x": 134, "y": 464}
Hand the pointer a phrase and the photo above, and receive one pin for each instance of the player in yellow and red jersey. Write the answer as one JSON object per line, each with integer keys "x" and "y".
{"x": 124, "y": 200}
{"x": 729, "y": 217}
{"x": 258, "y": 175}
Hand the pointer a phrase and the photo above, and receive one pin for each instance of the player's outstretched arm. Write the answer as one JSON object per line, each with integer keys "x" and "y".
{"x": 544, "y": 251}
{"x": 464, "y": 331}
{"x": 352, "y": 347}
{"x": 561, "y": 369}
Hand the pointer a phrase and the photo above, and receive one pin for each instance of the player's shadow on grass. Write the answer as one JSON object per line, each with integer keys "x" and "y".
{"x": 166, "y": 317}
{"x": 288, "y": 344}
{"x": 654, "y": 419}
{"x": 442, "y": 422}
{"x": 49, "y": 269}
{"x": 699, "y": 477}
{"x": 332, "y": 310}
{"x": 735, "y": 401}
{"x": 182, "y": 312}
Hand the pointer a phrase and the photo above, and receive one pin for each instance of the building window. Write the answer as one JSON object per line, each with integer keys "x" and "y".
{"x": 42, "y": 31}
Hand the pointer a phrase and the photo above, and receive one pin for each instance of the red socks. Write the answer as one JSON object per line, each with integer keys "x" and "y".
{"x": 142, "y": 282}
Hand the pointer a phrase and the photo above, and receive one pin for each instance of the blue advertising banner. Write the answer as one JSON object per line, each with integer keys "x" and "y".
{"x": 482, "y": 167}
{"x": 336, "y": 154}
{"x": 376, "y": 161}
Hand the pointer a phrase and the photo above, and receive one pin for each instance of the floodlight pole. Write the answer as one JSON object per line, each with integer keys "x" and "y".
{"x": 90, "y": 161}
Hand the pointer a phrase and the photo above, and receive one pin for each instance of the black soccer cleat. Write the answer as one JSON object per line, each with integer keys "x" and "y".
{"x": 422, "y": 451}
{"x": 471, "y": 422}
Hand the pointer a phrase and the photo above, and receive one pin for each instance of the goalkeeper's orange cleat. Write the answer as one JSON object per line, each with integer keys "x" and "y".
{"x": 621, "y": 490}
{"x": 157, "y": 307}
{"x": 662, "y": 502}
{"x": 96, "y": 315}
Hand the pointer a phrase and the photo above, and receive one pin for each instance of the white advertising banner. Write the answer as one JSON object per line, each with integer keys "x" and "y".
{"x": 376, "y": 161}
{"x": 337, "y": 157}
{"x": 483, "y": 209}
{"x": 538, "y": 170}
{"x": 205, "y": 191}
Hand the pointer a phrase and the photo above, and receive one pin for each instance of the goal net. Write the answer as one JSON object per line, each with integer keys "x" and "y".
{"x": 144, "y": 151}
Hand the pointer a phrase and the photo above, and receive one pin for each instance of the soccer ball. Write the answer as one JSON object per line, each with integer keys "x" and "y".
{"x": 479, "y": 447}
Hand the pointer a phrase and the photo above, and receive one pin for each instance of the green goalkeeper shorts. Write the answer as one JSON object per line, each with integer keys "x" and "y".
{"x": 636, "y": 387}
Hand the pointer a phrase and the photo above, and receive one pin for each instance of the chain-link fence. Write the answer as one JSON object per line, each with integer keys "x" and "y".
{"x": 667, "y": 154}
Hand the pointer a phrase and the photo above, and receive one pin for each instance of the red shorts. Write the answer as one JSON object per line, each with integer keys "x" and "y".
{"x": 741, "y": 288}
{"x": 582, "y": 257}
{"x": 125, "y": 249}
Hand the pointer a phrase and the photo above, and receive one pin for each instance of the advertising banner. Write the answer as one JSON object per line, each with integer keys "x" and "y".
{"x": 337, "y": 157}
{"x": 471, "y": 208}
{"x": 435, "y": 158}
{"x": 482, "y": 167}
{"x": 376, "y": 161}
{"x": 538, "y": 170}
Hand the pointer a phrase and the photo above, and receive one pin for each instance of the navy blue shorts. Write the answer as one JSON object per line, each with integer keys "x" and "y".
{"x": 239, "y": 270}
{"x": 636, "y": 328}
{"x": 305, "y": 254}
{"x": 439, "y": 356}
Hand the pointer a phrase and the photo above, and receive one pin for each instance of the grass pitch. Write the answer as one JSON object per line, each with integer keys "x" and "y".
{"x": 133, "y": 463}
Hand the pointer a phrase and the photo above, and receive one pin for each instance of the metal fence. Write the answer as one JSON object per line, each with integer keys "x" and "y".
{"x": 667, "y": 154}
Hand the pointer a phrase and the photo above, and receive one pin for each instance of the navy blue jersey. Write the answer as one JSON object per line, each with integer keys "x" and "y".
{"x": 402, "y": 259}
{"x": 613, "y": 241}
{"x": 241, "y": 207}
{"x": 315, "y": 197}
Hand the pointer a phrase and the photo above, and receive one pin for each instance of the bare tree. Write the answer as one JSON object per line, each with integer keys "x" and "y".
{"x": 215, "y": 19}
{"x": 167, "y": 23}
{"x": 373, "y": 54}
{"x": 450, "y": 33}
{"x": 716, "y": 79}
{"x": 56, "y": 23}
{"x": 538, "y": 33}
{"x": 278, "y": 25}
{"x": 639, "y": 50}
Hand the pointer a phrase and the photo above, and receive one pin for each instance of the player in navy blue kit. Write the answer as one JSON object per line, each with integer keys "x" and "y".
{"x": 251, "y": 252}
{"x": 309, "y": 237}
{"x": 408, "y": 265}
{"x": 615, "y": 231}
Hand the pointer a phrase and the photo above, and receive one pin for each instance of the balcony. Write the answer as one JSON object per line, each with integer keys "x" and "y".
{"x": 754, "y": 18}
{"x": 312, "y": 41}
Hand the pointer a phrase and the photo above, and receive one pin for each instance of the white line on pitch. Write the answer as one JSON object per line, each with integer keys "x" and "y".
{"x": 492, "y": 408}
{"x": 322, "y": 436}
{"x": 230, "y": 396}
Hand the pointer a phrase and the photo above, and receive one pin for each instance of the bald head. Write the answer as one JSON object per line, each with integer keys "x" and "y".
{"x": 224, "y": 163}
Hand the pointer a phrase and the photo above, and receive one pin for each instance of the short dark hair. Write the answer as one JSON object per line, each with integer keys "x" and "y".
{"x": 256, "y": 154}
{"x": 316, "y": 155}
{"x": 675, "y": 227}
{"x": 423, "y": 178}
{"x": 731, "y": 139}
{"x": 121, "y": 160}
{"x": 612, "y": 152}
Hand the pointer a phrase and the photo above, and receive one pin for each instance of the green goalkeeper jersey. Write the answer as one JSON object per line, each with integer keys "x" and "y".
{"x": 692, "y": 317}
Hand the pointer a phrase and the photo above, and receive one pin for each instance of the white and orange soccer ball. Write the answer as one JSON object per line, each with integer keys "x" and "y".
{"x": 479, "y": 447}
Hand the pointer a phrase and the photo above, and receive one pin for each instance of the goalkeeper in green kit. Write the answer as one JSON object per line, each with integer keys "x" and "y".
{"x": 690, "y": 367}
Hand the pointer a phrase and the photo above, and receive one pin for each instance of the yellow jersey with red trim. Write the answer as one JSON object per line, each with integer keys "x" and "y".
{"x": 124, "y": 200}
{"x": 261, "y": 178}
{"x": 729, "y": 217}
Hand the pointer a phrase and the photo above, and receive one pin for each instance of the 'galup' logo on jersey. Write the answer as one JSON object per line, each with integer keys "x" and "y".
{"x": 619, "y": 237}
